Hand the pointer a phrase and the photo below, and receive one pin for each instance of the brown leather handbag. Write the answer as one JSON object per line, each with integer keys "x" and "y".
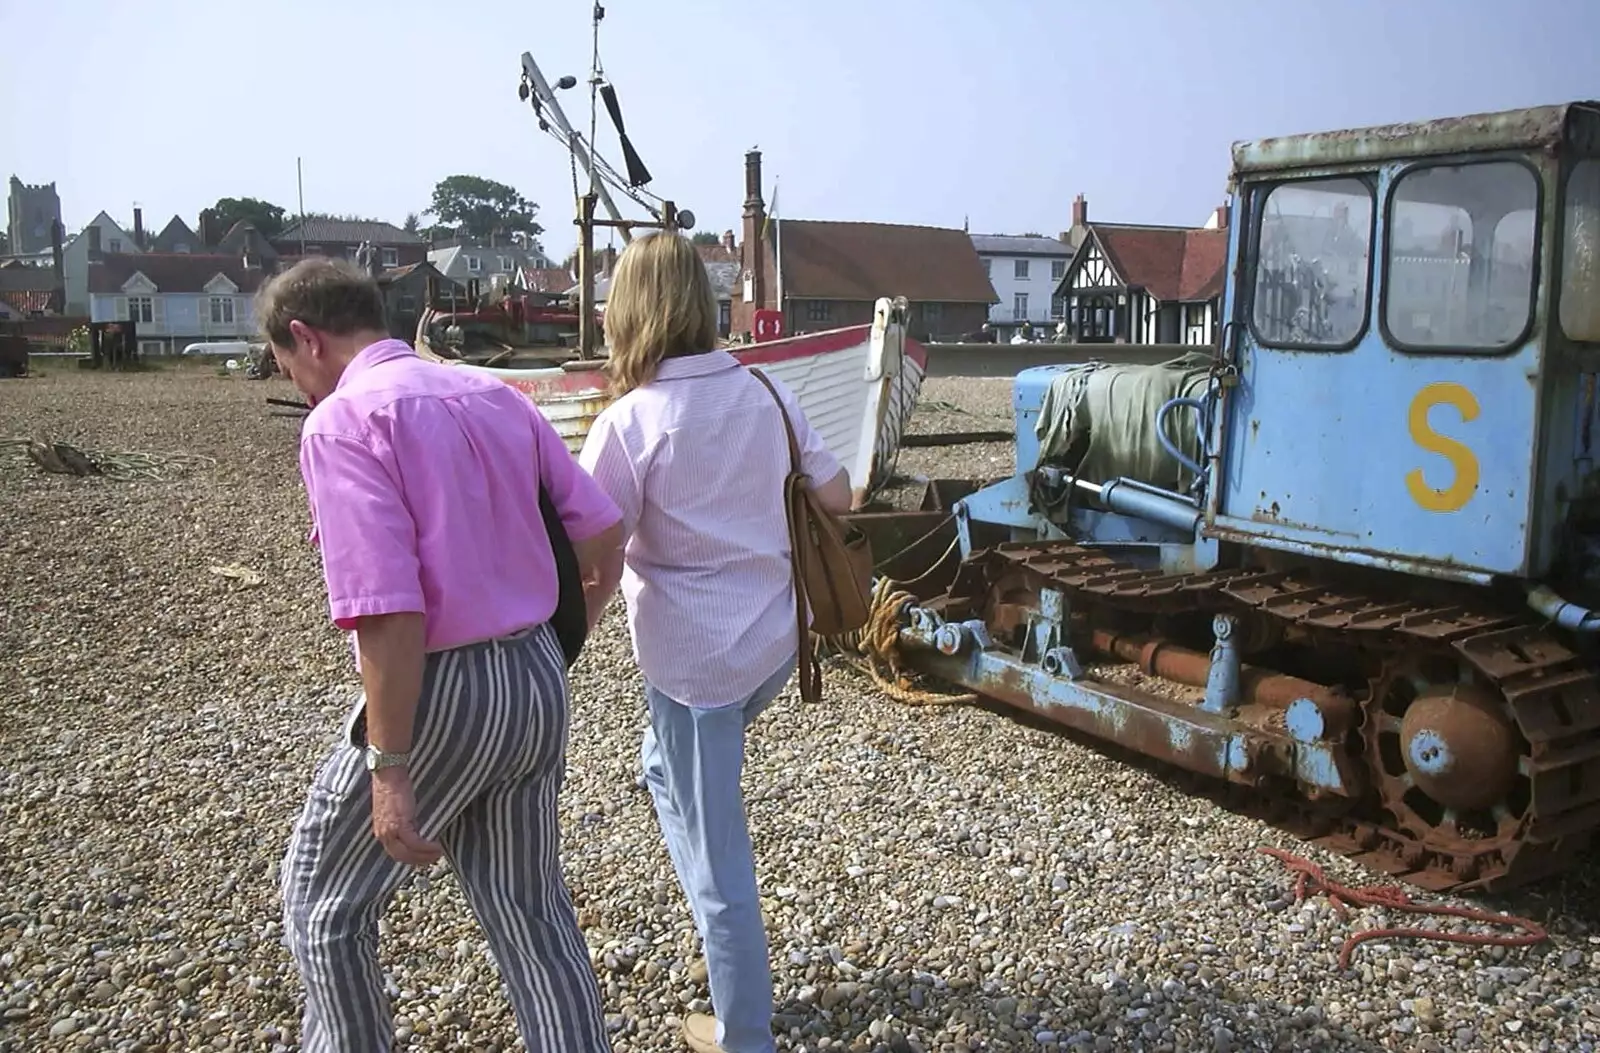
{"x": 832, "y": 563}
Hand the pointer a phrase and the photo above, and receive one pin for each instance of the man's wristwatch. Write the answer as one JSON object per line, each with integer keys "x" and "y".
{"x": 378, "y": 760}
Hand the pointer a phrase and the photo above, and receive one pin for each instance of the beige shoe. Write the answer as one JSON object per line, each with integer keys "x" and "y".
{"x": 700, "y": 1032}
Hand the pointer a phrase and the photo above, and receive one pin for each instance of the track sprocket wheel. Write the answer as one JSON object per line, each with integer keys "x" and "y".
{"x": 1448, "y": 761}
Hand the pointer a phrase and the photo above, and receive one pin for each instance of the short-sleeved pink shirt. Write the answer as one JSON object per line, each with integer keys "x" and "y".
{"x": 423, "y": 481}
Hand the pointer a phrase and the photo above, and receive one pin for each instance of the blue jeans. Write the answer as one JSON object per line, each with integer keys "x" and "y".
{"x": 693, "y": 759}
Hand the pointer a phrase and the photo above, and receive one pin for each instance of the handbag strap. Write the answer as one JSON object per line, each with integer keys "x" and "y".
{"x": 788, "y": 425}
{"x": 794, "y": 502}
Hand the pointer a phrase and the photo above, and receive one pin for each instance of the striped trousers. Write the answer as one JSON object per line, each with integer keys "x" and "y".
{"x": 487, "y": 761}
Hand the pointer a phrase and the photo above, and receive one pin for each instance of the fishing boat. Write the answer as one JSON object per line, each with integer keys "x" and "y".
{"x": 857, "y": 386}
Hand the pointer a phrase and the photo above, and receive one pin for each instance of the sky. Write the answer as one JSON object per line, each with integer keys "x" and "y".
{"x": 934, "y": 112}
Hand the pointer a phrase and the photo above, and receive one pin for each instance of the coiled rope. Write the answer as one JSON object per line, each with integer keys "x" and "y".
{"x": 874, "y": 649}
{"x": 1310, "y": 880}
{"x": 60, "y": 458}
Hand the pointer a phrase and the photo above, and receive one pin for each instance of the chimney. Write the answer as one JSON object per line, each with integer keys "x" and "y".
{"x": 93, "y": 234}
{"x": 1224, "y": 215}
{"x": 728, "y": 241}
{"x": 55, "y": 265}
{"x": 138, "y": 227}
{"x": 755, "y": 250}
{"x": 1080, "y": 211}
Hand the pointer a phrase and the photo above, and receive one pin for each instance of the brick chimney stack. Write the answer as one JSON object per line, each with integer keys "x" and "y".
{"x": 93, "y": 234}
{"x": 729, "y": 242}
{"x": 1080, "y": 211}
{"x": 138, "y": 227}
{"x": 755, "y": 250}
{"x": 1224, "y": 215}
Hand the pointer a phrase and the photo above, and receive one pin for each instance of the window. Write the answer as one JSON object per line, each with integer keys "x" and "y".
{"x": 151, "y": 347}
{"x": 504, "y": 262}
{"x": 141, "y": 309}
{"x": 474, "y": 265}
{"x": 1019, "y": 304}
{"x": 1058, "y": 308}
{"x": 114, "y": 245}
{"x": 408, "y": 303}
{"x": 1058, "y": 270}
{"x": 222, "y": 310}
{"x": 391, "y": 257}
{"x": 1021, "y": 270}
{"x": 724, "y": 317}
{"x": 1580, "y": 254}
{"x": 818, "y": 311}
{"x": 1465, "y": 233}
{"x": 988, "y": 267}
{"x": 1312, "y": 261}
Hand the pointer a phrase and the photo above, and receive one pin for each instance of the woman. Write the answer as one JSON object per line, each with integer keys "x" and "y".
{"x": 694, "y": 452}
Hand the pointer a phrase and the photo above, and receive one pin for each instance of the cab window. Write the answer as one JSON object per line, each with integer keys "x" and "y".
{"x": 1580, "y": 254}
{"x": 1313, "y": 251}
{"x": 1459, "y": 267}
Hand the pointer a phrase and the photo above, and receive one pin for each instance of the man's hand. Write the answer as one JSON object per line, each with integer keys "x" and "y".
{"x": 394, "y": 819}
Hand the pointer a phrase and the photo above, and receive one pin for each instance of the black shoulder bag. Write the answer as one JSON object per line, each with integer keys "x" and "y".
{"x": 571, "y": 617}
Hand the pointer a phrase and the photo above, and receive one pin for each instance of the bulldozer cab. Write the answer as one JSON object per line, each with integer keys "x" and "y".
{"x": 1412, "y": 311}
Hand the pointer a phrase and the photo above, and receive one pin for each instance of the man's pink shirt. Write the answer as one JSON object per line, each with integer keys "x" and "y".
{"x": 423, "y": 481}
{"x": 696, "y": 461}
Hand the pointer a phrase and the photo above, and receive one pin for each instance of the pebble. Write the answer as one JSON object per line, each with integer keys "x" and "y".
{"x": 933, "y": 879}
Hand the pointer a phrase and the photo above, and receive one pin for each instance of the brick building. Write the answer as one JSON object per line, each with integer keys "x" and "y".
{"x": 834, "y": 272}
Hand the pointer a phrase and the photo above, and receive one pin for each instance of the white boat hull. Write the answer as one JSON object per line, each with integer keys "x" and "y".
{"x": 857, "y": 387}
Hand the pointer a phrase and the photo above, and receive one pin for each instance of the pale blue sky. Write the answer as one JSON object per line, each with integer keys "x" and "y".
{"x": 892, "y": 110}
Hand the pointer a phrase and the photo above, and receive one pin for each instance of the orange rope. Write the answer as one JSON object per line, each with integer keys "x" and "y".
{"x": 1310, "y": 880}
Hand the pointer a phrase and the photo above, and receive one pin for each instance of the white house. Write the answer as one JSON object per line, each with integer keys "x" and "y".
{"x": 490, "y": 264}
{"x": 1024, "y": 271}
{"x": 102, "y": 237}
{"x": 177, "y": 299}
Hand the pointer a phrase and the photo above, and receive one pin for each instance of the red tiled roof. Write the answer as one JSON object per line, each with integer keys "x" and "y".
{"x": 718, "y": 253}
{"x": 172, "y": 273}
{"x": 827, "y": 260}
{"x": 547, "y": 279}
{"x": 27, "y": 301}
{"x": 1171, "y": 263}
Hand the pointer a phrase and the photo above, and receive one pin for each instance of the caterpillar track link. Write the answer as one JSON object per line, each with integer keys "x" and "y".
{"x": 1520, "y": 710}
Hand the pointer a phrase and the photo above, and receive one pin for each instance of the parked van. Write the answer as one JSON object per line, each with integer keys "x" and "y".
{"x": 233, "y": 347}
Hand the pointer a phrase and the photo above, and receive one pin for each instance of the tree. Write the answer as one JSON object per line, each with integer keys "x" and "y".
{"x": 412, "y": 223}
{"x": 220, "y": 218}
{"x": 481, "y": 208}
{"x": 705, "y": 237}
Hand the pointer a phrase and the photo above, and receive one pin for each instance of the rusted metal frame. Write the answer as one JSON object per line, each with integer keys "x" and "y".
{"x": 1167, "y": 730}
{"x": 1539, "y": 127}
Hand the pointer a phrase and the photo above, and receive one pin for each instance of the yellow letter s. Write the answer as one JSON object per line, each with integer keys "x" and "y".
{"x": 1454, "y": 497}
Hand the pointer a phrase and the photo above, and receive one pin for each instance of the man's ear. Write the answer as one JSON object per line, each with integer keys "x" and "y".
{"x": 304, "y": 337}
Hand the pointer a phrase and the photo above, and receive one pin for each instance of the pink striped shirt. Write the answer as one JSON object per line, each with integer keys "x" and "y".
{"x": 696, "y": 461}
{"x": 424, "y": 488}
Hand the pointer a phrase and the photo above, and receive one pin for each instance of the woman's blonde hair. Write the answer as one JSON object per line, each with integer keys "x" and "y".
{"x": 661, "y": 305}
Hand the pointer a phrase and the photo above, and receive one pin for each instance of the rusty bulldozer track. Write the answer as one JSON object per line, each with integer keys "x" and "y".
{"x": 1538, "y": 699}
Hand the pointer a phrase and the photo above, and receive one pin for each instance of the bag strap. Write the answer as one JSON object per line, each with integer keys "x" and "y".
{"x": 794, "y": 504}
{"x": 788, "y": 425}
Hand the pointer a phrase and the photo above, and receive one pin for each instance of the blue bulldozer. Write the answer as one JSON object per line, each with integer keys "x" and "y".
{"x": 1354, "y": 537}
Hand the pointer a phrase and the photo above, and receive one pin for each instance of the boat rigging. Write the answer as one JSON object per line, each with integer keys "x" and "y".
{"x": 535, "y": 90}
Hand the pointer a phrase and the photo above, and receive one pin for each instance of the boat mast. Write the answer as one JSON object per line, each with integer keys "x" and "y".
{"x": 671, "y": 218}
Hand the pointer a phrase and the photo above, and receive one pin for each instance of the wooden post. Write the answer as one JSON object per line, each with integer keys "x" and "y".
{"x": 586, "y": 333}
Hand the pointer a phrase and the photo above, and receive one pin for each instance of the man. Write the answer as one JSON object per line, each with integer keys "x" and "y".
{"x": 423, "y": 482}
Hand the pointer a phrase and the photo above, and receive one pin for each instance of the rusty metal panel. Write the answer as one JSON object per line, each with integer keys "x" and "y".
{"x": 1538, "y": 127}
